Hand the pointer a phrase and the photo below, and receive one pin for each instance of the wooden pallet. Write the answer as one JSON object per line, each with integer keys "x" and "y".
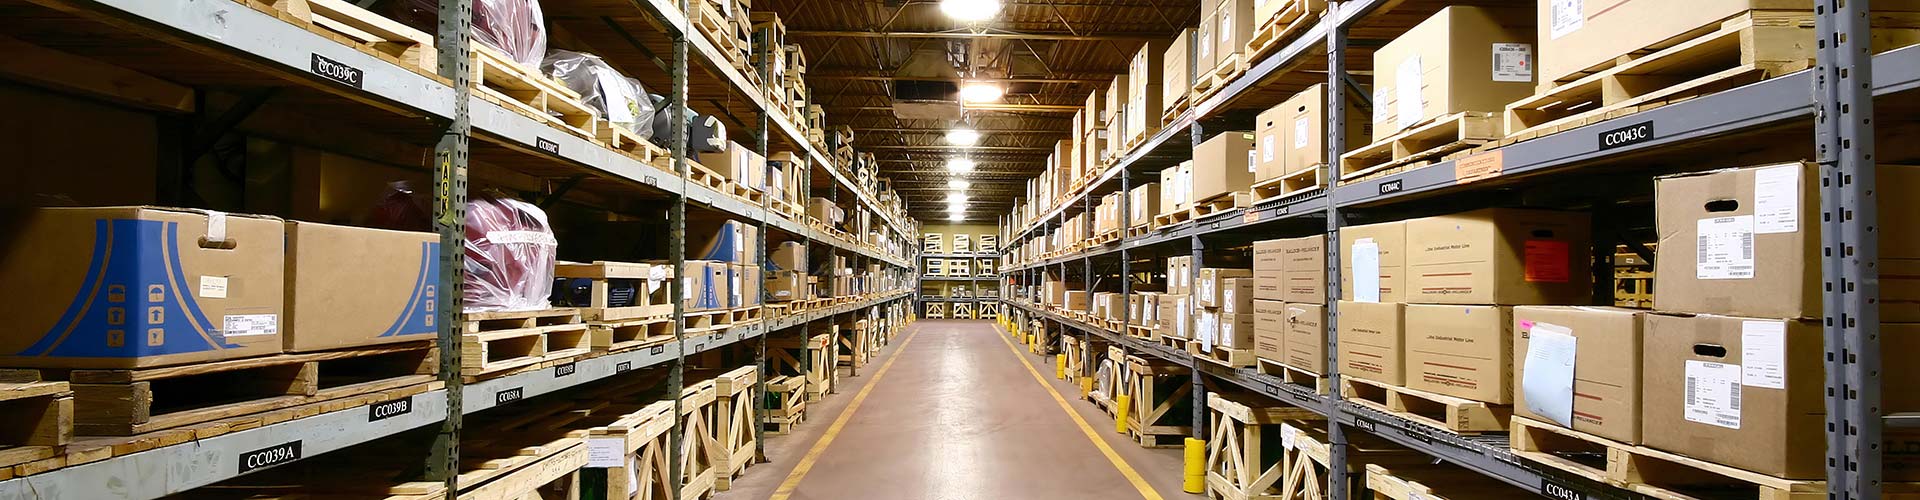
{"x": 1143, "y": 332}
{"x": 1171, "y": 219}
{"x": 1110, "y": 236}
{"x": 750, "y": 195}
{"x": 497, "y": 341}
{"x": 38, "y": 414}
{"x": 1140, "y": 230}
{"x": 1220, "y": 205}
{"x": 700, "y": 174}
{"x": 1432, "y": 482}
{"x": 1297, "y": 15}
{"x": 1176, "y": 108}
{"x": 621, "y": 139}
{"x": 741, "y": 315}
{"x": 1457, "y": 415}
{"x": 1210, "y": 81}
{"x": 1170, "y": 341}
{"x": 1303, "y": 181}
{"x": 602, "y": 273}
{"x": 1162, "y": 412}
{"x": 499, "y": 78}
{"x": 1241, "y": 464}
{"x": 630, "y": 334}
{"x": 1229, "y": 357}
{"x": 708, "y": 320}
{"x": 134, "y": 401}
{"x": 1743, "y": 49}
{"x": 1320, "y": 384}
{"x": 1423, "y": 143}
{"x": 785, "y": 208}
{"x": 1656, "y": 473}
{"x": 372, "y": 33}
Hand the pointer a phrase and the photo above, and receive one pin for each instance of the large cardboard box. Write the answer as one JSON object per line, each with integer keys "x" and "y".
{"x": 1076, "y": 300}
{"x": 1143, "y": 202}
{"x": 1307, "y": 337}
{"x": 739, "y": 164}
{"x": 1115, "y": 308}
{"x": 1178, "y": 68}
{"x": 1173, "y": 189}
{"x": 1209, "y": 284}
{"x": 785, "y": 285}
{"x": 790, "y": 255}
{"x": 1304, "y": 272}
{"x": 1446, "y": 65}
{"x": 1500, "y": 256}
{"x": 1206, "y": 328}
{"x": 131, "y": 287}
{"x": 1750, "y": 393}
{"x": 1236, "y": 330}
{"x": 1371, "y": 334}
{"x": 721, "y": 275}
{"x": 350, "y": 286}
{"x": 1171, "y": 314}
{"x": 1376, "y": 256}
{"x": 1180, "y": 274}
{"x": 1604, "y": 396}
{"x": 1747, "y": 242}
{"x": 1221, "y": 165}
{"x": 1232, "y": 29}
{"x": 1302, "y": 129}
{"x": 1460, "y": 351}
{"x": 732, "y": 241}
{"x": 1236, "y": 295}
{"x": 1094, "y": 117}
{"x": 825, "y": 211}
{"x": 1579, "y": 35}
{"x": 1115, "y": 108}
{"x": 697, "y": 287}
{"x": 1053, "y": 293}
{"x": 1144, "y": 107}
{"x": 1270, "y": 330}
{"x": 1269, "y": 257}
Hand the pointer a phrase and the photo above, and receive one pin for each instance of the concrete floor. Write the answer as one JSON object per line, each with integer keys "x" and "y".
{"x": 953, "y": 412}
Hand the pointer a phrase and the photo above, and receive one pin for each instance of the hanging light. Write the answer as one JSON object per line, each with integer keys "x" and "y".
{"x": 956, "y": 217}
{"x": 960, "y": 165}
{"x": 981, "y": 92}
{"x": 963, "y": 137}
{"x": 959, "y": 184}
{"x": 956, "y": 197}
{"x": 970, "y": 10}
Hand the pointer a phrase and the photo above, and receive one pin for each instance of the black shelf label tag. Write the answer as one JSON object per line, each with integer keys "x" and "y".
{"x": 550, "y": 147}
{"x": 565, "y": 370}
{"x": 337, "y": 71}
{"x": 623, "y": 367}
{"x": 1626, "y": 136}
{"x": 1390, "y": 187}
{"x": 657, "y": 349}
{"x": 269, "y": 456}
{"x": 389, "y": 409}
{"x": 1551, "y": 488}
{"x": 509, "y": 395}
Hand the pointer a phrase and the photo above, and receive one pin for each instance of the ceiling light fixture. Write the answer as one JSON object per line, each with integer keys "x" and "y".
{"x": 958, "y": 184}
{"x": 956, "y": 217}
{"x": 970, "y": 10}
{"x": 956, "y": 206}
{"x": 960, "y": 165}
{"x": 956, "y": 197}
{"x": 981, "y": 92}
{"x": 963, "y": 137}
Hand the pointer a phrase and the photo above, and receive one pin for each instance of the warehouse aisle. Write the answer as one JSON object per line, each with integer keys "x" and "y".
{"x": 956, "y": 414}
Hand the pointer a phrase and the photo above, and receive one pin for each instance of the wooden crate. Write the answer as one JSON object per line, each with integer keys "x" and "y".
{"x": 1421, "y": 145}
{"x": 602, "y": 274}
{"x": 643, "y": 473}
{"x": 1162, "y": 403}
{"x": 700, "y": 453}
{"x": 1245, "y": 446}
{"x": 372, "y": 33}
{"x": 497, "y": 341}
{"x": 735, "y": 395}
{"x": 786, "y": 404}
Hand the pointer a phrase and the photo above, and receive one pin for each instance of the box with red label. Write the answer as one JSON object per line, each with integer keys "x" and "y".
{"x": 1501, "y": 256}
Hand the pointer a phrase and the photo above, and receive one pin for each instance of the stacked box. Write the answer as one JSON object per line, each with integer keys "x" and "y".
{"x": 1177, "y": 68}
{"x": 1447, "y": 64}
{"x": 1222, "y": 165}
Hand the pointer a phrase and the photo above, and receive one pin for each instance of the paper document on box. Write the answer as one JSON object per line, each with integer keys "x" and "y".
{"x": 1366, "y": 270}
{"x": 1548, "y": 383}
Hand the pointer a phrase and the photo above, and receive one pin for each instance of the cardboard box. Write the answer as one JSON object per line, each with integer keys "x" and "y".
{"x": 1270, "y": 330}
{"x": 825, "y": 211}
{"x": 1174, "y": 188}
{"x": 731, "y": 241}
{"x": 1221, "y": 165}
{"x": 1605, "y": 393}
{"x": 1460, "y": 351}
{"x": 1177, "y": 68}
{"x": 1144, "y": 107}
{"x": 1371, "y": 335}
{"x": 1236, "y": 295}
{"x": 1500, "y": 256}
{"x": 1209, "y": 284}
{"x": 1302, "y": 125}
{"x": 1304, "y": 272}
{"x": 132, "y": 287}
{"x": 1094, "y": 117}
{"x": 785, "y": 285}
{"x": 1384, "y": 268}
{"x": 721, "y": 275}
{"x": 1268, "y": 258}
{"x": 1204, "y": 56}
{"x": 1142, "y": 204}
{"x": 697, "y": 289}
{"x": 350, "y": 286}
{"x": 1236, "y": 330}
{"x": 1307, "y": 337}
{"x": 1206, "y": 328}
{"x": 1446, "y": 65}
{"x": 1116, "y": 104}
{"x": 1577, "y": 36}
{"x": 1233, "y": 28}
{"x": 1076, "y": 300}
{"x": 1170, "y": 315}
{"x": 790, "y": 255}
{"x": 1764, "y": 227}
{"x": 739, "y": 164}
{"x": 1180, "y": 274}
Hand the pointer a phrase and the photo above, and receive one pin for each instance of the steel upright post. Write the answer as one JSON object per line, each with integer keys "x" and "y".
{"x": 1843, "y": 101}
{"x": 449, "y": 219}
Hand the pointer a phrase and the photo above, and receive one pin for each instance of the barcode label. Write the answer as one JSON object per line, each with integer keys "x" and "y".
{"x": 1512, "y": 62}
{"x": 1724, "y": 248}
{"x": 1713, "y": 393}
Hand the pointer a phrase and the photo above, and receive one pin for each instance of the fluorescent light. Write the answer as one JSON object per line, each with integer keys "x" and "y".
{"x": 970, "y": 10}
{"x": 963, "y": 137}
{"x": 959, "y": 184}
{"x": 955, "y": 217}
{"x": 956, "y": 197}
{"x": 981, "y": 92}
{"x": 960, "y": 165}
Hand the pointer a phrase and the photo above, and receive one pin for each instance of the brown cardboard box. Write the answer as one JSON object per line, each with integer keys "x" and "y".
{"x": 1371, "y": 334}
{"x": 1389, "y": 243}
{"x": 722, "y": 278}
{"x": 1053, "y": 293}
{"x": 1307, "y": 337}
{"x": 1094, "y": 147}
{"x": 1115, "y": 308}
{"x": 1304, "y": 273}
{"x": 1236, "y": 330}
{"x": 1606, "y": 366}
{"x": 1204, "y": 55}
{"x": 1270, "y": 158}
{"x": 1169, "y": 314}
{"x": 1454, "y": 53}
{"x": 1144, "y": 107}
{"x": 1076, "y": 300}
{"x": 1270, "y": 330}
{"x": 825, "y": 211}
{"x": 1269, "y": 257}
{"x": 1232, "y": 28}
{"x": 1236, "y": 295}
{"x": 1209, "y": 284}
{"x": 1576, "y": 36}
{"x": 350, "y": 286}
{"x": 132, "y": 287}
{"x": 738, "y": 163}
{"x": 1095, "y": 116}
{"x": 1177, "y": 70}
{"x": 1499, "y": 256}
{"x": 785, "y": 285}
{"x": 1180, "y": 274}
{"x": 1115, "y": 107}
{"x": 1303, "y": 124}
{"x": 1175, "y": 188}
{"x": 1460, "y": 351}
{"x": 791, "y": 255}
{"x": 1142, "y": 204}
{"x": 1221, "y": 165}
{"x": 1777, "y": 209}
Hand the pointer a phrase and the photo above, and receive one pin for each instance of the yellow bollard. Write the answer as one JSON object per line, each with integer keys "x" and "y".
{"x": 1086, "y": 386}
{"x": 1120, "y": 407}
{"x": 1060, "y": 367}
{"x": 1196, "y": 467}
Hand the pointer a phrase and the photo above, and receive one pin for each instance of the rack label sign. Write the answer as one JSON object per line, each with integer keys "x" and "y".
{"x": 657, "y": 350}
{"x": 1552, "y": 489}
{"x": 549, "y": 146}
{"x": 1626, "y": 136}
{"x": 623, "y": 367}
{"x": 269, "y": 456}
{"x": 389, "y": 409}
{"x": 337, "y": 71}
{"x": 1390, "y": 187}
{"x": 565, "y": 370}
{"x": 509, "y": 395}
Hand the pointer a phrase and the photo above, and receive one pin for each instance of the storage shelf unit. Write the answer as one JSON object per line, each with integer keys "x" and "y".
{"x": 1782, "y": 108}
{"x": 223, "y": 43}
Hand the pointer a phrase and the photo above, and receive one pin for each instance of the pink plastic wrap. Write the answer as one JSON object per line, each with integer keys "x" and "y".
{"x": 401, "y": 209}
{"x": 516, "y": 27}
{"x": 510, "y": 256}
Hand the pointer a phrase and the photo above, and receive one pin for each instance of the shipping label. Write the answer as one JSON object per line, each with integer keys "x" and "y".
{"x": 1725, "y": 248}
{"x": 1713, "y": 393}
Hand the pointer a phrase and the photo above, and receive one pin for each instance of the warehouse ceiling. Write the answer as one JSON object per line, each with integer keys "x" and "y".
{"x": 878, "y": 65}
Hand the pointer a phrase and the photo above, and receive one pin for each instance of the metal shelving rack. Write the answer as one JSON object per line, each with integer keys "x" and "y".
{"x": 973, "y": 279}
{"x": 1836, "y": 97}
{"x": 233, "y": 38}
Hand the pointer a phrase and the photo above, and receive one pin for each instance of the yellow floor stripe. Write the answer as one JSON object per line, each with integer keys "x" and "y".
{"x": 1120, "y": 464}
{"x": 819, "y": 447}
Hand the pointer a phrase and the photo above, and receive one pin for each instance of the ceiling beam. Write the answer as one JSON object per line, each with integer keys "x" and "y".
{"x": 965, "y": 34}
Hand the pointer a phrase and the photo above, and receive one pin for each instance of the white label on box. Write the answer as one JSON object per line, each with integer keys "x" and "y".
{"x": 1251, "y": 163}
{"x": 1512, "y": 62}
{"x": 241, "y": 325}
{"x": 1289, "y": 436}
{"x": 1547, "y": 380}
{"x": 213, "y": 287}
{"x": 1381, "y": 112}
{"x": 1266, "y": 148}
{"x": 1763, "y": 354}
{"x": 1776, "y": 200}
{"x": 1301, "y": 128}
{"x": 1226, "y": 26}
{"x": 606, "y": 452}
{"x": 1410, "y": 106}
{"x": 1565, "y": 16}
{"x": 1725, "y": 248}
{"x": 1713, "y": 393}
{"x": 1366, "y": 270}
